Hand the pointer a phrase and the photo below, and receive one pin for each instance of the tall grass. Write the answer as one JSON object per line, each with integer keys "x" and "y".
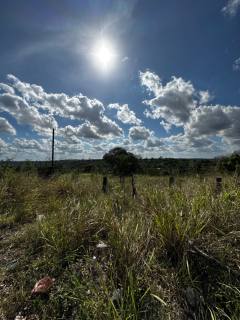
{"x": 147, "y": 267}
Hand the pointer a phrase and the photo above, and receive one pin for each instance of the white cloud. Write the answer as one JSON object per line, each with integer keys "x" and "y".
{"x": 187, "y": 146}
{"x": 41, "y": 149}
{"x": 221, "y": 121}
{"x": 205, "y": 129}
{"x": 124, "y": 114}
{"x": 236, "y": 65}
{"x": 6, "y": 127}
{"x": 78, "y": 107}
{"x": 154, "y": 143}
{"x": 2, "y": 144}
{"x": 6, "y": 88}
{"x": 151, "y": 81}
{"x": 139, "y": 133}
{"x": 26, "y": 114}
{"x": 231, "y": 7}
{"x": 209, "y": 120}
{"x": 172, "y": 102}
{"x": 179, "y": 103}
{"x": 28, "y": 144}
{"x": 167, "y": 126}
{"x": 205, "y": 97}
{"x": 86, "y": 130}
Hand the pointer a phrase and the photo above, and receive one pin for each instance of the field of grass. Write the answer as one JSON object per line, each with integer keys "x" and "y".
{"x": 171, "y": 253}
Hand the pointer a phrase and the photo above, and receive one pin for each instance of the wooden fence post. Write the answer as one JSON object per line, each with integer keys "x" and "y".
{"x": 134, "y": 190}
{"x": 53, "y": 150}
{"x": 171, "y": 181}
{"x": 105, "y": 184}
{"x": 218, "y": 187}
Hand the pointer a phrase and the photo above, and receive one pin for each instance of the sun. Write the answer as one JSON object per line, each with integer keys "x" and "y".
{"x": 104, "y": 55}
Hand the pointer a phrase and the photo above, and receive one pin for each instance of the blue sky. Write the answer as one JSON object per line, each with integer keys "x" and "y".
{"x": 159, "y": 77}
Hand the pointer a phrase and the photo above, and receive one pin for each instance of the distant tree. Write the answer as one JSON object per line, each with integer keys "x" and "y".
{"x": 122, "y": 163}
{"x": 231, "y": 163}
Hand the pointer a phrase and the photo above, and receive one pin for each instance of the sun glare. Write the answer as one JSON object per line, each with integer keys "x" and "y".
{"x": 104, "y": 55}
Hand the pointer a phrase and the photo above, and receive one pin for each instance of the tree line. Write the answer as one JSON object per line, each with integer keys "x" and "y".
{"x": 121, "y": 162}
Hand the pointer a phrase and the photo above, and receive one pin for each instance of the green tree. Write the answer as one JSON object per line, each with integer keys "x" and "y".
{"x": 230, "y": 164}
{"x": 122, "y": 163}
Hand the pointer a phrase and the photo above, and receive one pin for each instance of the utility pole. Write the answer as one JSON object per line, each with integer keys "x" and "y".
{"x": 52, "y": 149}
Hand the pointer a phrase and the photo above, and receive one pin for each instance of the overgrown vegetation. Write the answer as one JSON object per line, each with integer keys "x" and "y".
{"x": 171, "y": 253}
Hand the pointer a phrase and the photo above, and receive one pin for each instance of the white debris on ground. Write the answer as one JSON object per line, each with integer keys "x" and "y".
{"x": 101, "y": 245}
{"x": 19, "y": 317}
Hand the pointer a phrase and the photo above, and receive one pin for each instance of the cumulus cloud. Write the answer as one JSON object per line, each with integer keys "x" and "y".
{"x": 6, "y": 88}
{"x": 125, "y": 115}
{"x": 28, "y": 144}
{"x": 172, "y": 102}
{"x": 151, "y": 81}
{"x": 154, "y": 143}
{"x": 25, "y": 113}
{"x": 41, "y": 149}
{"x": 204, "y": 97}
{"x": 86, "y": 130}
{"x": 167, "y": 126}
{"x": 179, "y": 103}
{"x": 231, "y": 7}
{"x": 185, "y": 144}
{"x": 2, "y": 144}
{"x": 6, "y": 127}
{"x": 139, "y": 133}
{"x": 209, "y": 121}
{"x": 64, "y": 147}
{"x": 34, "y": 99}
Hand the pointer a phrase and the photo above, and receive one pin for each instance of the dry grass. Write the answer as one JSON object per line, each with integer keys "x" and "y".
{"x": 148, "y": 269}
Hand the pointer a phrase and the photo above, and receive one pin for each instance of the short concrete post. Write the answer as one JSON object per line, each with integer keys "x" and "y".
{"x": 105, "y": 184}
{"x": 218, "y": 187}
{"x": 134, "y": 189}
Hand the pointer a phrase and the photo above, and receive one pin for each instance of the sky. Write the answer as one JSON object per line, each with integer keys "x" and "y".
{"x": 160, "y": 78}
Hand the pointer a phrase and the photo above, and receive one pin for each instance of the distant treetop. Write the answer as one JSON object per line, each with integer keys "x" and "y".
{"x": 122, "y": 162}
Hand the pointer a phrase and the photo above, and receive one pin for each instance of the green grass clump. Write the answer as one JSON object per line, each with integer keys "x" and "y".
{"x": 149, "y": 268}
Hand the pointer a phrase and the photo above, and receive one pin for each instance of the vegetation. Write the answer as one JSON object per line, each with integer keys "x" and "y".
{"x": 121, "y": 162}
{"x": 171, "y": 253}
{"x": 160, "y": 166}
{"x": 230, "y": 164}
